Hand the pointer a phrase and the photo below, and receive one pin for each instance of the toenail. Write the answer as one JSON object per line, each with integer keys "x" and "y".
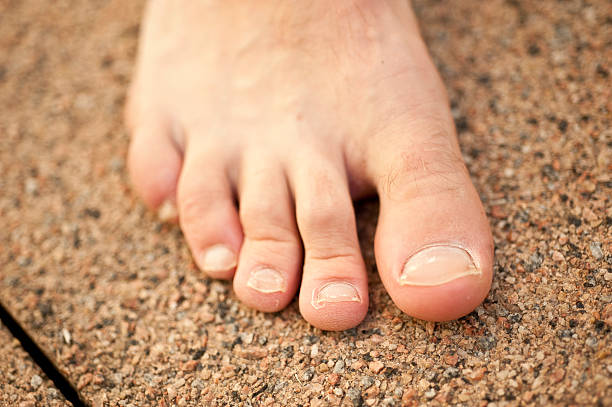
{"x": 167, "y": 211}
{"x": 218, "y": 258}
{"x": 266, "y": 281}
{"x": 436, "y": 265}
{"x": 334, "y": 292}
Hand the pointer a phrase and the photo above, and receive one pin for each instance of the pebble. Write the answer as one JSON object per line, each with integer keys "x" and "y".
{"x": 558, "y": 256}
{"x": 367, "y": 381}
{"x": 388, "y": 401}
{"x": 596, "y": 250}
{"x": 431, "y": 393}
{"x": 376, "y": 366}
{"x": 314, "y": 350}
{"x": 451, "y": 372}
{"x": 66, "y": 335}
{"x": 339, "y": 367}
{"x": 31, "y": 186}
{"x": 333, "y": 379}
{"x": 591, "y": 342}
{"x": 247, "y": 338}
{"x": 36, "y": 381}
{"x": 354, "y": 395}
{"x": 308, "y": 374}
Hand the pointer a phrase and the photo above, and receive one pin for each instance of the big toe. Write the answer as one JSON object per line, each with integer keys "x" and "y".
{"x": 433, "y": 244}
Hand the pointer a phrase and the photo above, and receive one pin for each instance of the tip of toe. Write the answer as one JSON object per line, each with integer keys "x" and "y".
{"x": 444, "y": 303}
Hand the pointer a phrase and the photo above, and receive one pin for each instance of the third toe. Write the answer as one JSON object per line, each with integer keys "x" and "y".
{"x": 269, "y": 269}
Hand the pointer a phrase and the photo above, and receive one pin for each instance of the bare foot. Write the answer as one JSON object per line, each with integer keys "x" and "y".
{"x": 294, "y": 110}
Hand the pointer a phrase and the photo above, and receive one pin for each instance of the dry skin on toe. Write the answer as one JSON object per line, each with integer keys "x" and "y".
{"x": 529, "y": 87}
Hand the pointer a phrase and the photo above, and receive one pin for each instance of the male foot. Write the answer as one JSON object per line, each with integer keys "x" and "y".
{"x": 293, "y": 110}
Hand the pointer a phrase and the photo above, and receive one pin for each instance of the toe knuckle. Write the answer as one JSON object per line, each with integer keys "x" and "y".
{"x": 430, "y": 168}
{"x": 192, "y": 212}
{"x": 319, "y": 213}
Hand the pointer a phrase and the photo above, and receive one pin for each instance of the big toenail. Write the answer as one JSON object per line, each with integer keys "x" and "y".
{"x": 266, "y": 281}
{"x": 436, "y": 265}
{"x": 167, "y": 211}
{"x": 334, "y": 292}
{"x": 218, "y": 258}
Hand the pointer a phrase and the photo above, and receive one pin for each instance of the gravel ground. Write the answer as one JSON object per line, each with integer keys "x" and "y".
{"x": 23, "y": 384}
{"x": 113, "y": 295}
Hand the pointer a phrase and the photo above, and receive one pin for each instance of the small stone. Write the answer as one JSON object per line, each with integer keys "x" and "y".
{"x": 308, "y": 374}
{"x": 388, "y": 401}
{"x": 358, "y": 364}
{"x": 314, "y": 350}
{"x": 589, "y": 215}
{"x": 558, "y": 257}
{"x": 339, "y": 366}
{"x": 367, "y": 381}
{"x": 451, "y": 372}
{"x": 498, "y": 213}
{"x": 339, "y": 392}
{"x": 596, "y": 250}
{"x": 180, "y": 382}
{"x": 66, "y": 335}
{"x": 36, "y": 381}
{"x": 252, "y": 353}
{"x": 333, "y": 379}
{"x": 431, "y": 393}
{"x": 591, "y": 342}
{"x": 84, "y": 381}
{"x": 558, "y": 375}
{"x": 247, "y": 338}
{"x": 167, "y": 212}
{"x": 355, "y": 396}
{"x": 376, "y": 366}
{"x": 171, "y": 392}
{"x": 190, "y": 365}
{"x": 31, "y": 186}
{"x": 451, "y": 359}
{"x": 478, "y": 374}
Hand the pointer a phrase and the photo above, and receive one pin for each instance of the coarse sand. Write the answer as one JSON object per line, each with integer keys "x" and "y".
{"x": 113, "y": 296}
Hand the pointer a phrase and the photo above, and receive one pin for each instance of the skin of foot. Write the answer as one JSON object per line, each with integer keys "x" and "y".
{"x": 256, "y": 125}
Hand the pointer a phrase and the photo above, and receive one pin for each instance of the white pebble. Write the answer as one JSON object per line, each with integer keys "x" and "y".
{"x": 36, "y": 381}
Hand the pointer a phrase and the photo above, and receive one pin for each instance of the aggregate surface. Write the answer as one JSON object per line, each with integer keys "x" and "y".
{"x": 23, "y": 383}
{"x": 112, "y": 294}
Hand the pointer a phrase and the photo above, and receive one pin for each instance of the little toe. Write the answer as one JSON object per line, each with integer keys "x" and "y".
{"x": 207, "y": 213}
{"x": 269, "y": 269}
{"x": 433, "y": 244}
{"x": 154, "y": 164}
{"x": 334, "y": 290}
